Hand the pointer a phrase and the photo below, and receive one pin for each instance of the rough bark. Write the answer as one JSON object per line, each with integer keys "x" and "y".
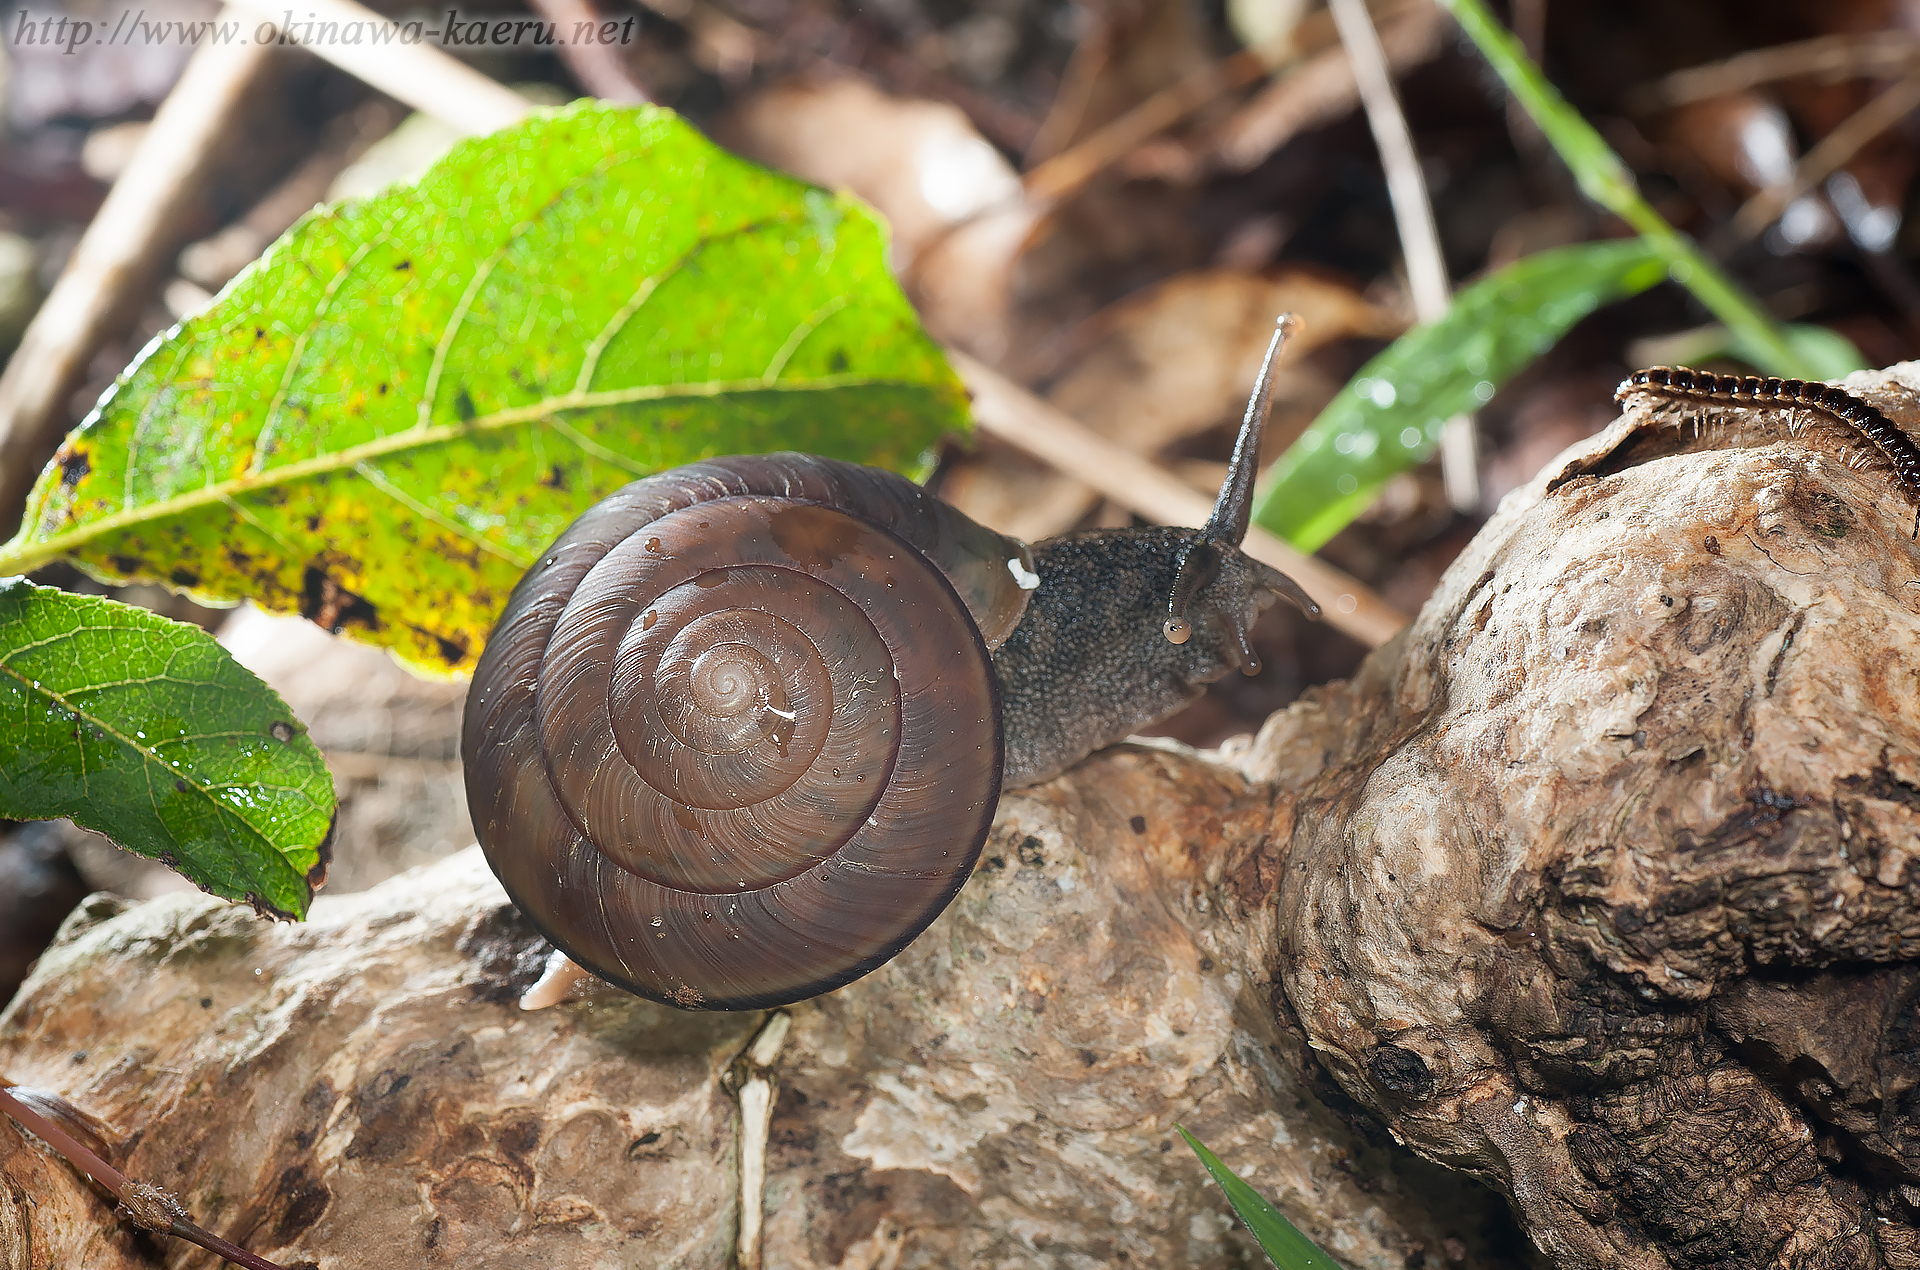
{"x": 363, "y": 1090}
{"x": 1593, "y": 884}
{"x": 1603, "y": 892}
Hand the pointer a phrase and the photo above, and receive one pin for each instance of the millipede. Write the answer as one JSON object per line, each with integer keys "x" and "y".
{"x": 1679, "y": 384}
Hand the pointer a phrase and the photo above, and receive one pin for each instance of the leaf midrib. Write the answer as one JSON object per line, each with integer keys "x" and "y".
{"x": 35, "y": 687}
{"x": 151, "y": 757}
{"x": 22, "y": 555}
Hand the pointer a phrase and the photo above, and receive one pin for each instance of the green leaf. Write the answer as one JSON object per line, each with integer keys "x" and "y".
{"x": 385, "y": 420}
{"x": 148, "y": 731}
{"x": 1390, "y": 417}
{"x": 1825, "y": 353}
{"x": 1282, "y": 1241}
{"x": 1605, "y": 179}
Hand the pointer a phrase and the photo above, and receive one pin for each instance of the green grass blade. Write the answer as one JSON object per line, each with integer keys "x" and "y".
{"x": 149, "y": 732}
{"x": 1830, "y": 354}
{"x": 1826, "y": 353}
{"x": 1390, "y": 417}
{"x": 1280, "y": 1238}
{"x": 1605, "y": 179}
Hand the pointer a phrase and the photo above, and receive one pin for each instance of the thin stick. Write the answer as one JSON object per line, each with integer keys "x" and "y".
{"x": 1090, "y": 57}
{"x": 1835, "y": 150}
{"x": 115, "y": 259}
{"x": 1004, "y": 409}
{"x": 598, "y": 67}
{"x": 1880, "y": 54}
{"x": 1412, "y": 210}
{"x": 146, "y": 1205}
{"x": 1322, "y": 88}
{"x": 1413, "y": 214}
{"x": 753, "y": 1071}
{"x": 213, "y": 261}
{"x": 424, "y": 78}
{"x": 1062, "y": 174}
{"x": 1072, "y": 168}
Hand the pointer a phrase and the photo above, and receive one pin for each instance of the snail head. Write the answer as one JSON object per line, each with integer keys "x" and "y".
{"x": 1218, "y": 541}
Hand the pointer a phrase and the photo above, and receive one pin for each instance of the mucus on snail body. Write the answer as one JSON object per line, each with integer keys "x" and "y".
{"x": 738, "y": 736}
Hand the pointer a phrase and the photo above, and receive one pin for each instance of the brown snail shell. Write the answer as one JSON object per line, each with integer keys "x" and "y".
{"x": 736, "y": 738}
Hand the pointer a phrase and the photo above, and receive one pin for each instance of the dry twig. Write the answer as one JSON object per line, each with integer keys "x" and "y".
{"x": 115, "y": 259}
{"x": 1413, "y": 214}
{"x": 144, "y": 1204}
{"x": 424, "y": 78}
{"x": 1876, "y": 54}
{"x": 1406, "y": 187}
{"x": 1323, "y": 88}
{"x": 1062, "y": 174}
{"x": 1066, "y": 172}
{"x": 213, "y": 261}
{"x": 598, "y": 67}
{"x": 1835, "y": 150}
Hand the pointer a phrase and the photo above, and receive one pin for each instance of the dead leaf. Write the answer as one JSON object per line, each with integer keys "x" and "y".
{"x": 1181, "y": 357}
{"x": 1321, "y": 89}
{"x": 920, "y": 163}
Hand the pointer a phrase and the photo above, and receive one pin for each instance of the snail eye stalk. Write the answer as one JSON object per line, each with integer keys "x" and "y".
{"x": 1199, "y": 565}
{"x": 1226, "y": 528}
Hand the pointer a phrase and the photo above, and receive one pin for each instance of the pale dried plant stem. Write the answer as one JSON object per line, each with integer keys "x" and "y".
{"x": 1834, "y": 152}
{"x": 1081, "y": 75}
{"x": 424, "y": 78}
{"x": 115, "y": 259}
{"x": 1063, "y": 174}
{"x": 1413, "y": 214}
{"x": 754, "y": 1074}
{"x": 1406, "y": 187}
{"x": 213, "y": 261}
{"x": 598, "y": 67}
{"x": 1828, "y": 57}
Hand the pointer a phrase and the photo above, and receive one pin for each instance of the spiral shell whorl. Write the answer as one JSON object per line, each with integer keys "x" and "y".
{"x": 731, "y": 745}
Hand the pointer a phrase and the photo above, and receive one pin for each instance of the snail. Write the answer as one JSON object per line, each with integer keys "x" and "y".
{"x": 739, "y": 734}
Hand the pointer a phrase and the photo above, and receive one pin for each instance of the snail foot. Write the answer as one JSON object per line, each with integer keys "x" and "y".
{"x": 563, "y": 980}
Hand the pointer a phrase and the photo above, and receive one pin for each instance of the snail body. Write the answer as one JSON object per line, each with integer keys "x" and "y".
{"x": 739, "y": 734}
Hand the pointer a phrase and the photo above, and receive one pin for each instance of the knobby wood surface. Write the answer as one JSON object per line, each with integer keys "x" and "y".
{"x": 1603, "y": 891}
{"x": 1593, "y": 883}
{"x": 1003, "y": 1094}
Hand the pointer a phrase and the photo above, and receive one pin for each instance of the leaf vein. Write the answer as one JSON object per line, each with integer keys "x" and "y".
{"x": 378, "y": 480}
{"x": 96, "y": 721}
{"x": 590, "y": 363}
{"x": 23, "y": 555}
{"x": 257, "y": 458}
{"x": 798, "y": 336}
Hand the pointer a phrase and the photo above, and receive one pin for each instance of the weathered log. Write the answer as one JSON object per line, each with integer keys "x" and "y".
{"x": 1603, "y": 892}
{"x": 1593, "y": 884}
{"x": 363, "y": 1090}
